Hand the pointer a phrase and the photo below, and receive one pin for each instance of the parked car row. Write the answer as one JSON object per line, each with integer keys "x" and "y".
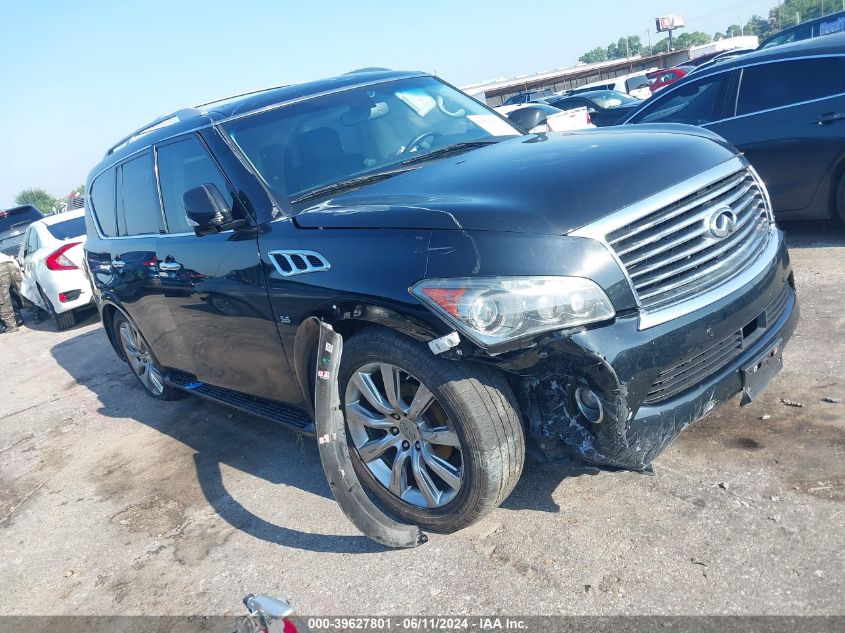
{"x": 49, "y": 252}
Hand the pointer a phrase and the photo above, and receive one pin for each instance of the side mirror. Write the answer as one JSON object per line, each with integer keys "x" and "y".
{"x": 207, "y": 209}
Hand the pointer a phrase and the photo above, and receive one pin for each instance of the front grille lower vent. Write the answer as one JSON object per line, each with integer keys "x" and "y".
{"x": 688, "y": 373}
{"x": 289, "y": 263}
{"x": 675, "y": 254}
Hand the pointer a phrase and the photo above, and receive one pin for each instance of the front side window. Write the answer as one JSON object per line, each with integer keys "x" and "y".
{"x": 779, "y": 84}
{"x": 184, "y": 165}
{"x": 139, "y": 212}
{"x": 694, "y": 103}
{"x": 305, "y": 146}
{"x": 102, "y": 203}
{"x": 31, "y": 241}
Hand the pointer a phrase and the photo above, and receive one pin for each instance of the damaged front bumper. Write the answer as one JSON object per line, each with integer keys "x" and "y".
{"x": 653, "y": 383}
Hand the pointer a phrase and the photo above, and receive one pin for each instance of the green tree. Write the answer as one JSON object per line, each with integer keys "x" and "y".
{"x": 38, "y": 198}
{"x": 761, "y": 27}
{"x": 694, "y": 38}
{"x": 734, "y": 30}
{"x": 598, "y": 54}
{"x": 789, "y": 12}
{"x": 624, "y": 47}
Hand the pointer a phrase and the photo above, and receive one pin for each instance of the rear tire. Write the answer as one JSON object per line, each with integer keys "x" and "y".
{"x": 472, "y": 411}
{"x": 61, "y": 321}
{"x": 840, "y": 199}
{"x": 142, "y": 361}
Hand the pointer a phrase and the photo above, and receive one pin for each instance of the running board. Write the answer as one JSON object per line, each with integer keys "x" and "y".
{"x": 290, "y": 417}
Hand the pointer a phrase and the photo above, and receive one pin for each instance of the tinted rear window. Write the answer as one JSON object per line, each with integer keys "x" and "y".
{"x": 775, "y": 85}
{"x": 139, "y": 196}
{"x": 18, "y": 217}
{"x": 102, "y": 200}
{"x": 636, "y": 82}
{"x": 75, "y": 227}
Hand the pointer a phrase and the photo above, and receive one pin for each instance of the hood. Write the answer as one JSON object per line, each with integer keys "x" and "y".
{"x": 540, "y": 183}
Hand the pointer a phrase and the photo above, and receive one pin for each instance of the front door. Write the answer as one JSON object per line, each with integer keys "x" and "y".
{"x": 222, "y": 327}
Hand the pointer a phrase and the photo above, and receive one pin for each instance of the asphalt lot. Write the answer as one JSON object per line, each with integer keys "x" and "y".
{"x": 113, "y": 503}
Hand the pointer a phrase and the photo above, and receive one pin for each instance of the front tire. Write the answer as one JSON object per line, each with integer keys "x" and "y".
{"x": 840, "y": 199}
{"x": 439, "y": 442}
{"x": 142, "y": 362}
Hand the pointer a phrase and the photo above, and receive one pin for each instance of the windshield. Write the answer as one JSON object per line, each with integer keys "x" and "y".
{"x": 18, "y": 218}
{"x": 613, "y": 99}
{"x": 75, "y": 227}
{"x": 318, "y": 142}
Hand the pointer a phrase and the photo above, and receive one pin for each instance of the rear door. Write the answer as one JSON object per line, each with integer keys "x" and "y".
{"x": 790, "y": 122}
{"x": 214, "y": 288}
{"x": 29, "y": 285}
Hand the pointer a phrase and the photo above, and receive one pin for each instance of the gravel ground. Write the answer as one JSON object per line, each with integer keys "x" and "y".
{"x": 111, "y": 502}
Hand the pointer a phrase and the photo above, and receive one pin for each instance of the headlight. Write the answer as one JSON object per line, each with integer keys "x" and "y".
{"x": 493, "y": 310}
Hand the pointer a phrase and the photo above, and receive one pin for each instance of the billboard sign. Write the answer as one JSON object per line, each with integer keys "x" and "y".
{"x": 669, "y": 22}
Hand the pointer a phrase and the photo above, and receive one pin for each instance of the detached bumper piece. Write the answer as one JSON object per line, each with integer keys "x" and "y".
{"x": 334, "y": 454}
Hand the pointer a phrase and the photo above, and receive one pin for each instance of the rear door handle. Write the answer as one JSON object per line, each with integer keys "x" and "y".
{"x": 830, "y": 117}
{"x": 116, "y": 263}
{"x": 170, "y": 266}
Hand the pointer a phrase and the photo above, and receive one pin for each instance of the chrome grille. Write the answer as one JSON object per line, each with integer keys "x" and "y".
{"x": 671, "y": 255}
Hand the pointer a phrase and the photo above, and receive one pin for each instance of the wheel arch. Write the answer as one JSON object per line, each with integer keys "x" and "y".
{"x": 347, "y": 320}
{"x": 108, "y": 311}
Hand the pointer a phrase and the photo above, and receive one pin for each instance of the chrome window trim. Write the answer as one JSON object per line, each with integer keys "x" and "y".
{"x": 599, "y": 230}
{"x": 668, "y": 91}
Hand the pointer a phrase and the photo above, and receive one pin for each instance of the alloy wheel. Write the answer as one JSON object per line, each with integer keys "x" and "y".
{"x": 140, "y": 359}
{"x": 403, "y": 436}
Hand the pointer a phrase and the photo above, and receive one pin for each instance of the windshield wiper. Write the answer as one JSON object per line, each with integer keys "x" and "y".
{"x": 449, "y": 149}
{"x": 348, "y": 184}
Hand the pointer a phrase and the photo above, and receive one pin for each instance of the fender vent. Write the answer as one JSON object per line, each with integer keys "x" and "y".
{"x": 297, "y": 262}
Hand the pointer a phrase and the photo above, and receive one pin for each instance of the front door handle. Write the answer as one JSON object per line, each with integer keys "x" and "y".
{"x": 170, "y": 266}
{"x": 117, "y": 263}
{"x": 830, "y": 117}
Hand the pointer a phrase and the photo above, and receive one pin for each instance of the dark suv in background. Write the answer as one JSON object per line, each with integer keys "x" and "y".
{"x": 13, "y": 223}
{"x": 487, "y": 283}
{"x": 784, "y": 108}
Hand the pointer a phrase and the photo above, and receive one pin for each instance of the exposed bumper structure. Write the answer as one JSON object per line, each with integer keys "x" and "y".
{"x": 655, "y": 382}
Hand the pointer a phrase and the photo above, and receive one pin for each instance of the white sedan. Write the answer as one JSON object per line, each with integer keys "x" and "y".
{"x": 52, "y": 264}
{"x": 538, "y": 117}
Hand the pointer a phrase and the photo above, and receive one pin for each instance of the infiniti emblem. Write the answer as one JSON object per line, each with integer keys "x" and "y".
{"x": 722, "y": 223}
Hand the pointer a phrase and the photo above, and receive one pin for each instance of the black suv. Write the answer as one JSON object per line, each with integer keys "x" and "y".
{"x": 489, "y": 285}
{"x": 13, "y": 223}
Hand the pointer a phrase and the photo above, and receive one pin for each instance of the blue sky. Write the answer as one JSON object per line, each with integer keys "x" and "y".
{"x": 77, "y": 76}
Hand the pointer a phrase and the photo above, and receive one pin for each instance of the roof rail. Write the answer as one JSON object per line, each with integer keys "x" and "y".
{"x": 370, "y": 69}
{"x": 239, "y": 95}
{"x": 160, "y": 122}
